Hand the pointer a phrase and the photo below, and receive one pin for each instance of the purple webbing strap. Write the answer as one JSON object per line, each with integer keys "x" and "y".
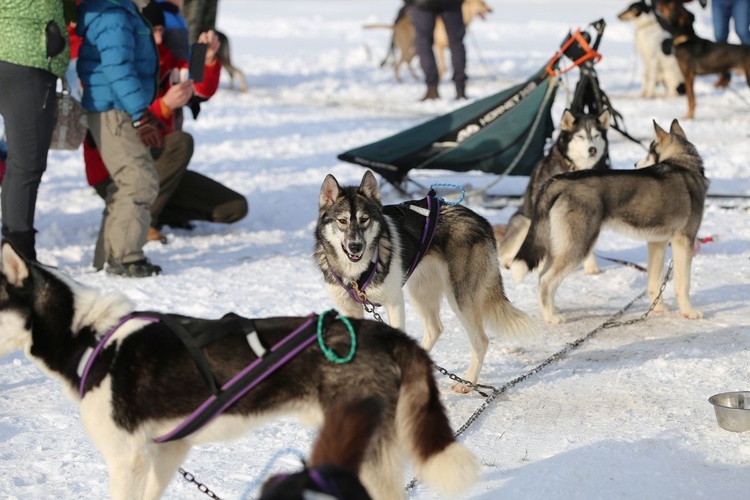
{"x": 237, "y": 377}
{"x": 418, "y": 257}
{"x": 321, "y": 483}
{"x": 350, "y": 290}
{"x": 103, "y": 341}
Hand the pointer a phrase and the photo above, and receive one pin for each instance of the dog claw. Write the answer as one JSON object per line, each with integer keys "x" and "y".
{"x": 460, "y": 388}
{"x": 692, "y": 314}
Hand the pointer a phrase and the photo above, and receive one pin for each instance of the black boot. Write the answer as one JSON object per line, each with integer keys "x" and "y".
{"x": 23, "y": 242}
{"x": 432, "y": 93}
{"x": 460, "y": 91}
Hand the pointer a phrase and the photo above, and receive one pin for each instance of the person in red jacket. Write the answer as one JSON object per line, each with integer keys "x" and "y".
{"x": 184, "y": 195}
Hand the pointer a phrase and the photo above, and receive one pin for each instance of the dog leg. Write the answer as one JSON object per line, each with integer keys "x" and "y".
{"x": 690, "y": 91}
{"x": 682, "y": 251}
{"x": 381, "y": 472}
{"x": 425, "y": 294}
{"x": 397, "y": 312}
{"x": 549, "y": 282}
{"x": 656, "y": 253}
{"x": 470, "y": 316}
{"x": 649, "y": 79}
{"x": 518, "y": 227}
{"x": 166, "y": 458}
{"x": 589, "y": 265}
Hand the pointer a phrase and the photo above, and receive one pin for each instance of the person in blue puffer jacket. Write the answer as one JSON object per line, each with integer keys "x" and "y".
{"x": 118, "y": 66}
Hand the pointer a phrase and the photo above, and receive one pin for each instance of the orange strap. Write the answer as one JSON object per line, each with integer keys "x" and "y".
{"x": 589, "y": 54}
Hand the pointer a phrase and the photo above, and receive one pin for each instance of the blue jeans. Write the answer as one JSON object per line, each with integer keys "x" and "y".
{"x": 724, "y": 10}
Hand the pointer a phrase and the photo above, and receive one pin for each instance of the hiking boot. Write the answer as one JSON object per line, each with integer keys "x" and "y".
{"x": 138, "y": 269}
{"x": 155, "y": 235}
{"x": 460, "y": 91}
{"x": 432, "y": 93}
{"x": 723, "y": 81}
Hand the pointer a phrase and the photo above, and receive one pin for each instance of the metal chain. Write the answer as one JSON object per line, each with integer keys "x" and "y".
{"x": 610, "y": 323}
{"x": 202, "y": 487}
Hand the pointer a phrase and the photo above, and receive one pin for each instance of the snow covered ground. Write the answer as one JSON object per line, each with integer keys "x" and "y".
{"x": 624, "y": 416}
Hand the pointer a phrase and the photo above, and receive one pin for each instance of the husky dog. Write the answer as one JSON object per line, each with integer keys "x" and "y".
{"x": 143, "y": 383}
{"x": 660, "y": 202}
{"x": 356, "y": 239}
{"x": 658, "y": 67}
{"x": 581, "y": 145}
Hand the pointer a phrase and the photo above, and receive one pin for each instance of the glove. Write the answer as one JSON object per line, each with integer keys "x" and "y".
{"x": 149, "y": 130}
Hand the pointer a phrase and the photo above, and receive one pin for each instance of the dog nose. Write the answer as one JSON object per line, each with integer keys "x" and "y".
{"x": 592, "y": 151}
{"x": 355, "y": 247}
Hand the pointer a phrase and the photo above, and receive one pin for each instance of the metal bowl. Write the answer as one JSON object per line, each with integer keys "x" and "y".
{"x": 732, "y": 410}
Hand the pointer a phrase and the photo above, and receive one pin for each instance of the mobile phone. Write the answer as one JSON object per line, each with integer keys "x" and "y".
{"x": 197, "y": 61}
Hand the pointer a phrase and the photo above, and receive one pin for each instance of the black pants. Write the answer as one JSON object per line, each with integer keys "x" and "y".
{"x": 424, "y": 26}
{"x": 27, "y": 103}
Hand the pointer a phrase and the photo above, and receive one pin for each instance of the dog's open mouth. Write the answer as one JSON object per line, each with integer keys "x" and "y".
{"x": 354, "y": 257}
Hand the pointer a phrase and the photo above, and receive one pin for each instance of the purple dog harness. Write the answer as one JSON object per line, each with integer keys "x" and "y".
{"x": 267, "y": 362}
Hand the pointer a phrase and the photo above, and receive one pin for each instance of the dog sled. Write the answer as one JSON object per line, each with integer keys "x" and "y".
{"x": 502, "y": 134}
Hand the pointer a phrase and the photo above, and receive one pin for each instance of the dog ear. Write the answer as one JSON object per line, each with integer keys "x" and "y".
{"x": 659, "y": 132}
{"x": 604, "y": 119}
{"x": 329, "y": 192}
{"x": 568, "y": 120}
{"x": 13, "y": 266}
{"x": 676, "y": 129}
{"x": 369, "y": 186}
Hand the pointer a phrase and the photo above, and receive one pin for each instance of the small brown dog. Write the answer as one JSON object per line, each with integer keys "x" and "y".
{"x": 403, "y": 36}
{"x": 226, "y": 63}
{"x": 695, "y": 55}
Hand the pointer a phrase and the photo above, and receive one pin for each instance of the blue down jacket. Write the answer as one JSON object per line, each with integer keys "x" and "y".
{"x": 118, "y": 62}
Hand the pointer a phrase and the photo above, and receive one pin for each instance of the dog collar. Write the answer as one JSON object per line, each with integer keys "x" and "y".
{"x": 350, "y": 290}
{"x": 90, "y": 354}
{"x": 571, "y": 166}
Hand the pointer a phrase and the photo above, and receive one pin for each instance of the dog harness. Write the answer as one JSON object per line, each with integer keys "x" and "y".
{"x": 419, "y": 220}
{"x": 196, "y": 334}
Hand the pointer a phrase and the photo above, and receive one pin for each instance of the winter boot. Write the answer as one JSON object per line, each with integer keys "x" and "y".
{"x": 142, "y": 268}
{"x": 460, "y": 90}
{"x": 432, "y": 93}
{"x": 23, "y": 242}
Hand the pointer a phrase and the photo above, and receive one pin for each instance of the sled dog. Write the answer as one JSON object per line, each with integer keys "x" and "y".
{"x": 660, "y": 202}
{"x": 581, "y": 145}
{"x": 356, "y": 239}
{"x": 658, "y": 67}
{"x": 696, "y": 55}
{"x": 226, "y": 62}
{"x": 336, "y": 457}
{"x": 403, "y": 37}
{"x": 144, "y": 382}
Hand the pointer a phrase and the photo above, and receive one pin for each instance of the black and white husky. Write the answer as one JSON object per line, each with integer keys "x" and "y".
{"x": 357, "y": 242}
{"x": 660, "y": 202}
{"x": 581, "y": 145}
{"x": 144, "y": 383}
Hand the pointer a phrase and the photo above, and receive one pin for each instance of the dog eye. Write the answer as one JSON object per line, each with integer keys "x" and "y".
{"x": 364, "y": 220}
{"x": 343, "y": 222}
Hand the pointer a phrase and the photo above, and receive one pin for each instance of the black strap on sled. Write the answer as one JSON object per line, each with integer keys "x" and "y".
{"x": 252, "y": 375}
{"x": 419, "y": 218}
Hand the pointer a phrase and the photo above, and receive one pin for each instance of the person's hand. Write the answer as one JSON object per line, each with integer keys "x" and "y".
{"x": 149, "y": 130}
{"x": 212, "y": 41}
{"x": 178, "y": 95}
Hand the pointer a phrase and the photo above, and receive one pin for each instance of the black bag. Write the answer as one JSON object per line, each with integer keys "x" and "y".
{"x": 71, "y": 123}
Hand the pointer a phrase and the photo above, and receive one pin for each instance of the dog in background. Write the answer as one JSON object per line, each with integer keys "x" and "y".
{"x": 660, "y": 202}
{"x": 358, "y": 240}
{"x": 698, "y": 56}
{"x": 403, "y": 37}
{"x": 336, "y": 456}
{"x": 581, "y": 145}
{"x": 658, "y": 67}
{"x": 144, "y": 382}
{"x": 226, "y": 63}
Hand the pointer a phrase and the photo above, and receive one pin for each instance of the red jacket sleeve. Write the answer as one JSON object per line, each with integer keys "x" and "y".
{"x": 210, "y": 83}
{"x": 95, "y": 170}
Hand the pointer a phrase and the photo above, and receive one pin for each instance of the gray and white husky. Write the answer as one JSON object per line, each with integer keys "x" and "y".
{"x": 659, "y": 202}
{"x": 581, "y": 145}
{"x": 356, "y": 240}
{"x": 144, "y": 383}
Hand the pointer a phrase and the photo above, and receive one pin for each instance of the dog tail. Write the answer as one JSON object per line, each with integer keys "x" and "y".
{"x": 346, "y": 433}
{"x": 537, "y": 243}
{"x": 502, "y": 316}
{"x": 444, "y": 464}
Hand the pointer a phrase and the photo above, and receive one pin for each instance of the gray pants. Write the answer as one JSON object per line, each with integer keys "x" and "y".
{"x": 135, "y": 186}
{"x": 424, "y": 26}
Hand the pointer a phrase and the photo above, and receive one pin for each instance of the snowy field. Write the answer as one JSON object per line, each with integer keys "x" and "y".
{"x": 624, "y": 416}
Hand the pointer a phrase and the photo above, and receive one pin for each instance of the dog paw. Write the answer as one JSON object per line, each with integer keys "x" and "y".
{"x": 661, "y": 307}
{"x": 460, "y": 388}
{"x": 591, "y": 269}
{"x": 554, "y": 319}
{"x": 692, "y": 314}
